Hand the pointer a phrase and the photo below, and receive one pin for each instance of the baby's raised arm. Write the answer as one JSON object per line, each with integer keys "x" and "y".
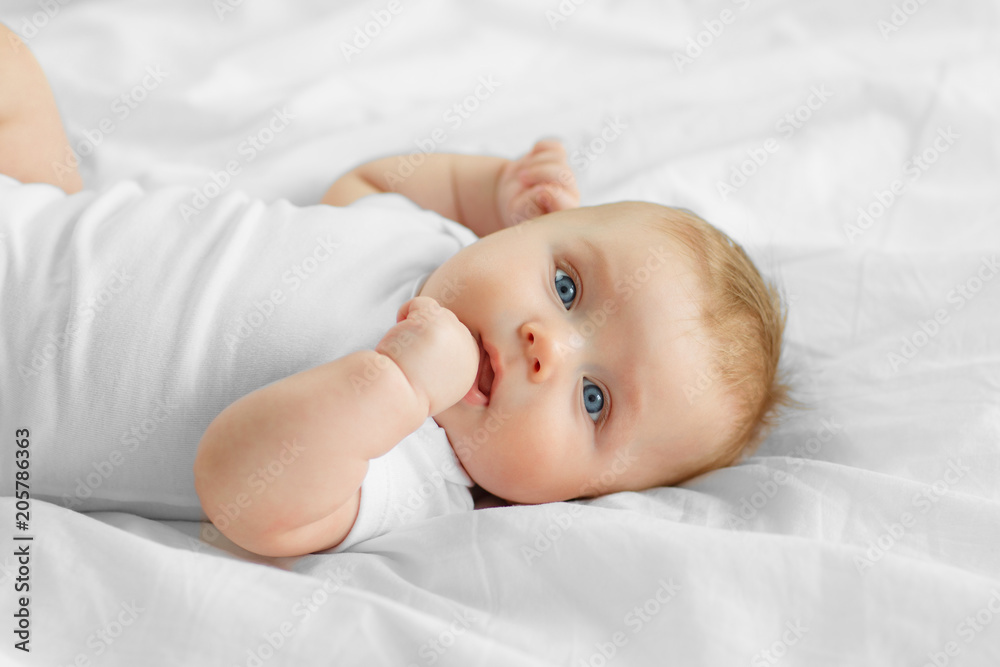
{"x": 330, "y": 421}
{"x": 483, "y": 193}
{"x": 35, "y": 149}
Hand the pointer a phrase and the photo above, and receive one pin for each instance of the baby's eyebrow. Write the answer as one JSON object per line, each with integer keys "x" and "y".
{"x": 597, "y": 257}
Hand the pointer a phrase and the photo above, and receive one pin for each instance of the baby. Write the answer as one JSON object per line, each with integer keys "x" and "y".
{"x": 565, "y": 357}
{"x": 568, "y": 353}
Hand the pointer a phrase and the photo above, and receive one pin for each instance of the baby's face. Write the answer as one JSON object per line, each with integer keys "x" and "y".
{"x": 586, "y": 350}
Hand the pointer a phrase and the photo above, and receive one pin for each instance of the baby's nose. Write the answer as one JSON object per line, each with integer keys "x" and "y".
{"x": 542, "y": 349}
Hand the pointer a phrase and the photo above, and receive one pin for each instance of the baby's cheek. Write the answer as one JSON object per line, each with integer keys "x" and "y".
{"x": 536, "y": 446}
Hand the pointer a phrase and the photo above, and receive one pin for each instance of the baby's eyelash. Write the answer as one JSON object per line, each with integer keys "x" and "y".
{"x": 606, "y": 412}
{"x": 575, "y": 277}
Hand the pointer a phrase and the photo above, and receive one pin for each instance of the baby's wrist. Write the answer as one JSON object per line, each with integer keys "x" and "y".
{"x": 405, "y": 382}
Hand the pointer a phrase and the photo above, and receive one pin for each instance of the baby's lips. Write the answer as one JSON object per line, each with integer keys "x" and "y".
{"x": 474, "y": 396}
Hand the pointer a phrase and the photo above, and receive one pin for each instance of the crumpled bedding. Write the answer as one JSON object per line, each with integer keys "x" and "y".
{"x": 853, "y": 148}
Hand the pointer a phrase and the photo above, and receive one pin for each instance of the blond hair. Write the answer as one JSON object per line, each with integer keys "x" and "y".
{"x": 743, "y": 317}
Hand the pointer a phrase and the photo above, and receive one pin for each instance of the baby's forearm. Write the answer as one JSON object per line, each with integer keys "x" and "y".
{"x": 293, "y": 452}
{"x": 459, "y": 187}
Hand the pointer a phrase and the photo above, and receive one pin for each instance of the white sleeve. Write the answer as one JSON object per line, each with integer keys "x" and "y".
{"x": 418, "y": 479}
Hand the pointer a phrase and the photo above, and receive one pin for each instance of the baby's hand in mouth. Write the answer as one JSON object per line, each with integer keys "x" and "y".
{"x": 435, "y": 351}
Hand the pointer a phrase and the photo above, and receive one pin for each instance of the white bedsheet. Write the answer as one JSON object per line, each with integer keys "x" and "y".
{"x": 867, "y": 529}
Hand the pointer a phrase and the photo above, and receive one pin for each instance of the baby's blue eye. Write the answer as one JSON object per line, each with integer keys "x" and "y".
{"x": 593, "y": 399}
{"x": 565, "y": 288}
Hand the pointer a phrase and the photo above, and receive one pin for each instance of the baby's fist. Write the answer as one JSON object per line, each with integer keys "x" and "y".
{"x": 540, "y": 182}
{"x": 436, "y": 352}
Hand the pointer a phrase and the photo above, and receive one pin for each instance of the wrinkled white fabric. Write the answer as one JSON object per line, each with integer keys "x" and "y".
{"x": 128, "y": 328}
{"x": 875, "y": 545}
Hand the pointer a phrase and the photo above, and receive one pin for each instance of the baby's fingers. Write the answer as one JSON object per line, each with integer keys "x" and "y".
{"x": 553, "y": 147}
{"x": 547, "y": 172}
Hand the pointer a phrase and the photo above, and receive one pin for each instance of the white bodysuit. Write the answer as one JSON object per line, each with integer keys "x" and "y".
{"x": 125, "y": 329}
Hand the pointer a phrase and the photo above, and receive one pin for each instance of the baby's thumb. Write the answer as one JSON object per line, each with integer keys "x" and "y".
{"x": 550, "y": 199}
{"x": 416, "y": 307}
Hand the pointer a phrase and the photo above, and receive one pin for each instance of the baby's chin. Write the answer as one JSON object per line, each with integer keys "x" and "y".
{"x": 454, "y": 439}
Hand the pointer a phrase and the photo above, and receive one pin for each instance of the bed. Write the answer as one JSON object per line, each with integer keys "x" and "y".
{"x": 852, "y": 147}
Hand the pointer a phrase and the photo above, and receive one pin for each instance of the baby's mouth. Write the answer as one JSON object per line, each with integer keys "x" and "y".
{"x": 484, "y": 379}
{"x": 479, "y": 392}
